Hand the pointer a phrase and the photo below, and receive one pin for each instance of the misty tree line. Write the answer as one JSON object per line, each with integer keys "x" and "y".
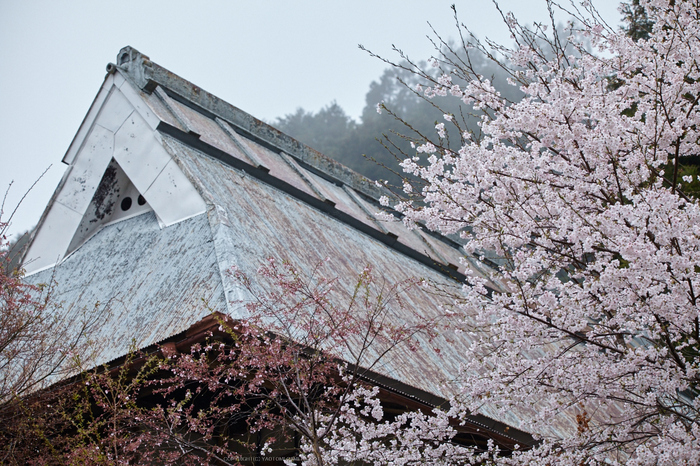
{"x": 375, "y": 144}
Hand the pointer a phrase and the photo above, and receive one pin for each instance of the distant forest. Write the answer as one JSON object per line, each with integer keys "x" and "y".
{"x": 360, "y": 145}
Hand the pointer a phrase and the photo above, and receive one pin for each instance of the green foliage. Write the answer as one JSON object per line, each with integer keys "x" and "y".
{"x": 637, "y": 23}
{"x": 15, "y": 249}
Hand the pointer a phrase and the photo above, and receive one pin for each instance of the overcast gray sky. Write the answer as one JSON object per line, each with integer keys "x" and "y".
{"x": 267, "y": 57}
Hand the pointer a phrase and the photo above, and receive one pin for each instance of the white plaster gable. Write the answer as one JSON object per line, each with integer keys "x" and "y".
{"x": 117, "y": 168}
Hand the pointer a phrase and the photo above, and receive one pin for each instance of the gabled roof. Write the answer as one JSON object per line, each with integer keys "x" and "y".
{"x": 168, "y": 187}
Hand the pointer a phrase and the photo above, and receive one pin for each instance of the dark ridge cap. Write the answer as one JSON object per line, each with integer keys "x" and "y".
{"x": 255, "y": 138}
{"x": 146, "y": 75}
{"x": 307, "y": 166}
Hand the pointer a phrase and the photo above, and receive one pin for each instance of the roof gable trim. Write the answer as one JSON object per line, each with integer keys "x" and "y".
{"x": 147, "y": 75}
{"x": 117, "y": 163}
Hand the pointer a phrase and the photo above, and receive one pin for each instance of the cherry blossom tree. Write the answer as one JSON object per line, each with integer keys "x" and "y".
{"x": 37, "y": 349}
{"x": 290, "y": 381}
{"x": 579, "y": 190}
{"x": 296, "y": 373}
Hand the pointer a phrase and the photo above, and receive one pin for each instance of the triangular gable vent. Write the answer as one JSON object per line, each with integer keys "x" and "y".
{"x": 118, "y": 168}
{"x": 115, "y": 199}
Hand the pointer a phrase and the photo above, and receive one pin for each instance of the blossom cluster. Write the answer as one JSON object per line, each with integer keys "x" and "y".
{"x": 579, "y": 190}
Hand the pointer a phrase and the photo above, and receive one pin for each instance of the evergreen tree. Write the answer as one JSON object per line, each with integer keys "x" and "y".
{"x": 376, "y": 144}
{"x": 637, "y": 22}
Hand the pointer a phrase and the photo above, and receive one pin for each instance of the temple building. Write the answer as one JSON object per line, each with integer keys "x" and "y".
{"x": 167, "y": 188}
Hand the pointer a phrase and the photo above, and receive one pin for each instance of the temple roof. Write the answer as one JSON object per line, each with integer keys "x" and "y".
{"x": 168, "y": 188}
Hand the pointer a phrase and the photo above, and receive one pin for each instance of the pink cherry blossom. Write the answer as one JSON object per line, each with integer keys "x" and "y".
{"x": 578, "y": 189}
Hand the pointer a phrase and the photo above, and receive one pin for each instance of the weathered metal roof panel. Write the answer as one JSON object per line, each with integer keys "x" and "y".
{"x": 161, "y": 110}
{"x": 338, "y": 196}
{"x": 411, "y": 238}
{"x": 152, "y": 283}
{"x": 278, "y": 167}
{"x": 254, "y": 221}
{"x": 208, "y": 130}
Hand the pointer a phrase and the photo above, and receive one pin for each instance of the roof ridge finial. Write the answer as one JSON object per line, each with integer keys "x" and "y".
{"x": 133, "y": 63}
{"x": 129, "y": 54}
